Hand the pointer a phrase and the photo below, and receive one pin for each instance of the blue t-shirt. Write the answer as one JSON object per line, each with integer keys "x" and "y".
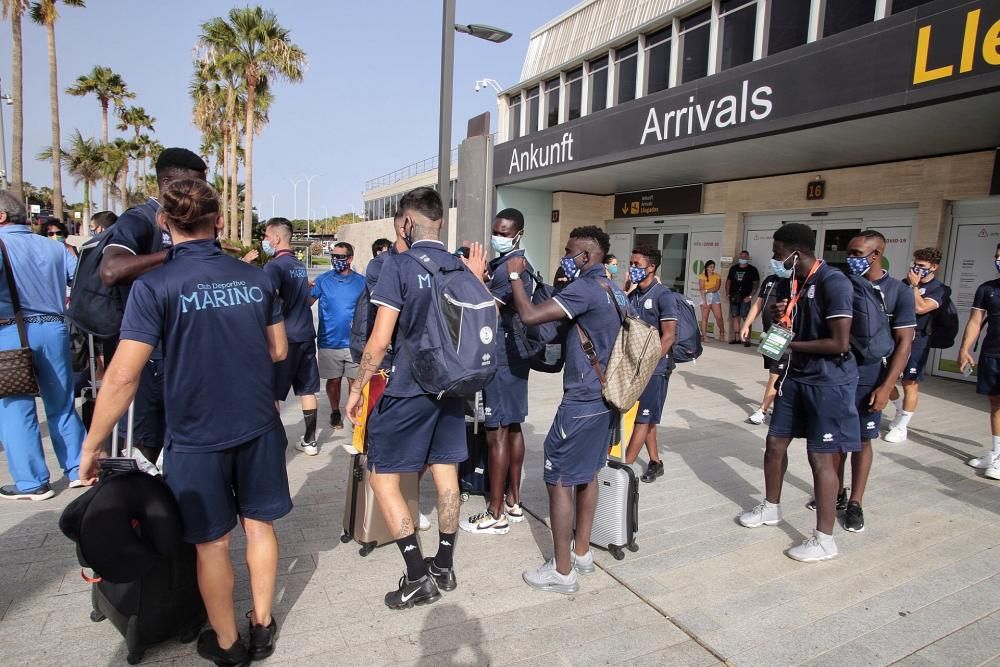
{"x": 587, "y": 303}
{"x": 338, "y": 295}
{"x": 406, "y": 287}
{"x": 935, "y": 290}
{"x": 502, "y": 290}
{"x": 826, "y": 296}
{"x": 898, "y": 299}
{"x": 987, "y": 299}
{"x": 211, "y": 312}
{"x": 653, "y": 306}
{"x": 291, "y": 282}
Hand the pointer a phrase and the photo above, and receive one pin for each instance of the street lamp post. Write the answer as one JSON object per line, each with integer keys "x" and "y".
{"x": 295, "y": 197}
{"x": 274, "y": 197}
{"x": 309, "y": 183}
{"x": 448, "y": 29}
{"x": 4, "y": 183}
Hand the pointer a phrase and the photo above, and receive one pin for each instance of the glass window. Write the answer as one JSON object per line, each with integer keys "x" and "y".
{"x": 552, "y": 102}
{"x": 599, "y": 84}
{"x": 574, "y": 87}
{"x": 843, "y": 15}
{"x": 658, "y": 60}
{"x": 789, "y": 25}
{"x": 738, "y": 22}
{"x": 903, "y": 5}
{"x": 532, "y": 111}
{"x": 626, "y": 70}
{"x": 695, "y": 33}
{"x": 514, "y": 117}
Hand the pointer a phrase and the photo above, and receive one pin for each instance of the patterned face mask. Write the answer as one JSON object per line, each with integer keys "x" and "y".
{"x": 569, "y": 266}
{"x": 636, "y": 274}
{"x": 341, "y": 265}
{"x": 859, "y": 265}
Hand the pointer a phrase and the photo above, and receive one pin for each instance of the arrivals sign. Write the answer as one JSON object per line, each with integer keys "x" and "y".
{"x": 942, "y": 50}
{"x": 665, "y": 201}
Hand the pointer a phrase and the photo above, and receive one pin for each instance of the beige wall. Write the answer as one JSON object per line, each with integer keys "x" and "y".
{"x": 576, "y": 210}
{"x": 361, "y": 235}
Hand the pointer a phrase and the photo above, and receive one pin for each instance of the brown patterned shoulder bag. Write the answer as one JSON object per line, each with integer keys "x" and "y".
{"x": 17, "y": 369}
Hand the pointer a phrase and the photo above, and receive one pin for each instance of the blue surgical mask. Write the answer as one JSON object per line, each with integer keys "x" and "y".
{"x": 341, "y": 265}
{"x": 859, "y": 265}
{"x": 636, "y": 274}
{"x": 503, "y": 245}
{"x": 569, "y": 266}
{"x": 613, "y": 269}
{"x": 779, "y": 269}
{"x": 997, "y": 262}
{"x": 266, "y": 246}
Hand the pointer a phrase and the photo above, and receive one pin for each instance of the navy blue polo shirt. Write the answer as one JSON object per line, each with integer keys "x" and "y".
{"x": 935, "y": 290}
{"x": 138, "y": 232}
{"x": 502, "y": 290}
{"x": 405, "y": 287}
{"x": 987, "y": 299}
{"x": 826, "y": 296}
{"x": 587, "y": 303}
{"x": 210, "y": 311}
{"x": 374, "y": 268}
{"x": 653, "y": 306}
{"x": 338, "y": 295}
{"x": 898, "y": 299}
{"x": 291, "y": 282}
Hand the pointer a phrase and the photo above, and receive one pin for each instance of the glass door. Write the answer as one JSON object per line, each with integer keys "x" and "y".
{"x": 833, "y": 242}
{"x": 673, "y": 245}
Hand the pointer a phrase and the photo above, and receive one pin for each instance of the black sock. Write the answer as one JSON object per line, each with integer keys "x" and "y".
{"x": 416, "y": 568}
{"x": 446, "y": 550}
{"x": 310, "y": 417}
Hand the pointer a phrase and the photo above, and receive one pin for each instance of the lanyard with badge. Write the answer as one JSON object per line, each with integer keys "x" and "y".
{"x": 779, "y": 336}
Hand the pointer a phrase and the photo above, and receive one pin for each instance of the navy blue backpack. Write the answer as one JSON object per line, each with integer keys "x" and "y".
{"x": 687, "y": 339}
{"x": 455, "y": 354}
{"x": 531, "y": 340}
{"x": 871, "y": 334}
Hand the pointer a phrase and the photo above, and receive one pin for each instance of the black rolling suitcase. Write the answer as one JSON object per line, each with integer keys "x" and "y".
{"x": 473, "y": 473}
{"x": 163, "y": 604}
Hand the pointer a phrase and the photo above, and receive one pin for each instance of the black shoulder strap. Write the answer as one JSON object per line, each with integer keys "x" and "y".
{"x": 15, "y": 298}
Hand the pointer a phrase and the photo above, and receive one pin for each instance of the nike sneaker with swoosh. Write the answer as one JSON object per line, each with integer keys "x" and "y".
{"x": 485, "y": 523}
{"x": 444, "y": 577}
{"x": 409, "y": 593}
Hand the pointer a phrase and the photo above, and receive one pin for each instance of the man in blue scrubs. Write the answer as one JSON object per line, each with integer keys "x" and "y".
{"x": 576, "y": 447}
{"x": 220, "y": 326}
{"x": 298, "y": 371}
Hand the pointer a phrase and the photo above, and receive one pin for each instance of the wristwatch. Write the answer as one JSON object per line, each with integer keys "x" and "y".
{"x": 514, "y": 275}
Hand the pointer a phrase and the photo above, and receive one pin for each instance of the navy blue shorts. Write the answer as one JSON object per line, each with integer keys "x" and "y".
{"x": 825, "y": 415}
{"x": 988, "y": 376}
{"x": 505, "y": 398}
{"x": 213, "y": 489}
{"x": 405, "y": 434}
{"x": 919, "y": 354}
{"x": 298, "y": 371}
{"x": 148, "y": 414}
{"x": 652, "y": 399}
{"x": 739, "y": 309}
{"x": 869, "y": 421}
{"x": 576, "y": 446}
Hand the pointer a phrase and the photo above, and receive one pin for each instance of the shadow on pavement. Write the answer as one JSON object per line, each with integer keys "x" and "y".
{"x": 469, "y": 652}
{"x": 725, "y": 388}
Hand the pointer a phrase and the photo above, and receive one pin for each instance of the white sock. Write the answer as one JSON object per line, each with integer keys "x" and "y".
{"x": 904, "y": 419}
{"x": 823, "y": 537}
{"x": 768, "y": 505}
{"x": 898, "y": 404}
{"x": 996, "y": 444}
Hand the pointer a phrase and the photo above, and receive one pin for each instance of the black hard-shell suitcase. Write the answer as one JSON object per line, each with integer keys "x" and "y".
{"x": 163, "y": 604}
{"x": 473, "y": 473}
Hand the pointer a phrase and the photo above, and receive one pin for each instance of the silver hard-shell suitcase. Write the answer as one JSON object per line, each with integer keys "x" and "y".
{"x": 616, "y": 519}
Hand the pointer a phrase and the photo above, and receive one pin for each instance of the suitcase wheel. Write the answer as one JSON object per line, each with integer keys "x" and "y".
{"x": 632, "y": 546}
{"x": 135, "y": 658}
{"x": 97, "y": 616}
{"x": 465, "y": 496}
{"x": 366, "y": 549}
{"x": 616, "y": 551}
{"x": 345, "y": 538}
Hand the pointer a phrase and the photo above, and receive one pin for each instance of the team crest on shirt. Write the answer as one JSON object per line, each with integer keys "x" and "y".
{"x": 486, "y": 335}
{"x": 811, "y": 294}
{"x": 648, "y": 305}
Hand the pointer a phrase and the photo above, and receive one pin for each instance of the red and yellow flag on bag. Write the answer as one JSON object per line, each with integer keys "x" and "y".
{"x": 369, "y": 398}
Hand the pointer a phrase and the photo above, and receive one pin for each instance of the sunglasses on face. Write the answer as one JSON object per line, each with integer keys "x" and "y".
{"x": 340, "y": 256}
{"x": 56, "y": 234}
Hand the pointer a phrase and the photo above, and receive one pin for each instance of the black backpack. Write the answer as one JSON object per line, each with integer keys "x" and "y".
{"x": 942, "y": 327}
{"x": 871, "y": 332}
{"x": 362, "y": 323}
{"x": 93, "y": 306}
{"x": 531, "y": 341}
{"x": 687, "y": 342}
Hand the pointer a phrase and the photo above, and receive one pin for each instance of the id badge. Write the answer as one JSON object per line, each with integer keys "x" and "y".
{"x": 775, "y": 342}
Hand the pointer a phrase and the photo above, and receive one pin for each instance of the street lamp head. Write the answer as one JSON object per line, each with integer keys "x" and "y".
{"x": 487, "y": 32}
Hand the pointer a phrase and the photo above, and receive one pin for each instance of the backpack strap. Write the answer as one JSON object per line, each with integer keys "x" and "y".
{"x": 589, "y": 351}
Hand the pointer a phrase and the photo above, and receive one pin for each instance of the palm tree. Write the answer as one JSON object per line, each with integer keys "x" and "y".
{"x": 43, "y": 12}
{"x": 137, "y": 119}
{"x": 214, "y": 89}
{"x": 254, "y": 42}
{"x": 119, "y": 151}
{"x": 109, "y": 88}
{"x": 14, "y": 10}
{"x": 84, "y": 160}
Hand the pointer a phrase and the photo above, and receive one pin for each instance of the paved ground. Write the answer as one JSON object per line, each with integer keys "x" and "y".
{"x": 919, "y": 586}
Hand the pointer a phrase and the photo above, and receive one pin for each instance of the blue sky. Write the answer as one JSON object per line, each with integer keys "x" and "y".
{"x": 367, "y": 106}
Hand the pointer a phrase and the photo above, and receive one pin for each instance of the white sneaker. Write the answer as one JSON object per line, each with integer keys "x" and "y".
{"x": 582, "y": 564}
{"x": 984, "y": 461}
{"x": 814, "y": 549}
{"x": 514, "y": 512}
{"x": 993, "y": 472}
{"x": 484, "y": 524}
{"x": 757, "y": 418}
{"x": 895, "y": 434}
{"x": 761, "y": 515}
{"x": 310, "y": 448}
{"x": 546, "y": 577}
{"x": 423, "y": 523}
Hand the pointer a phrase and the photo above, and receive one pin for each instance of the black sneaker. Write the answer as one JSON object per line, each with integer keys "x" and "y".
{"x": 262, "y": 638}
{"x": 336, "y": 421}
{"x": 409, "y": 593}
{"x": 746, "y": 343}
{"x": 854, "y": 517}
{"x": 653, "y": 470}
{"x": 208, "y": 648}
{"x": 10, "y": 492}
{"x": 444, "y": 577}
{"x": 841, "y": 501}
{"x": 734, "y": 341}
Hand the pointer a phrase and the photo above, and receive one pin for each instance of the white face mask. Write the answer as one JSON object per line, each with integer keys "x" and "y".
{"x": 502, "y": 245}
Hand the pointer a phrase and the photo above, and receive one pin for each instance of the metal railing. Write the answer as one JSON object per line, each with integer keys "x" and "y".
{"x": 411, "y": 170}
